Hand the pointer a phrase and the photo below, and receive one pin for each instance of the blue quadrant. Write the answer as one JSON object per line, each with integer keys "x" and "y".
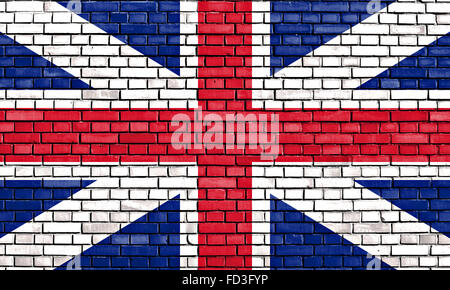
{"x": 151, "y": 242}
{"x": 150, "y": 27}
{"x": 23, "y": 200}
{"x": 428, "y": 69}
{"x": 298, "y": 27}
{"x": 426, "y": 200}
{"x": 21, "y": 68}
{"x": 298, "y": 242}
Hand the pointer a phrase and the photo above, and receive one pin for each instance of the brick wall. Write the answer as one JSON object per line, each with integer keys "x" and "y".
{"x": 91, "y": 176}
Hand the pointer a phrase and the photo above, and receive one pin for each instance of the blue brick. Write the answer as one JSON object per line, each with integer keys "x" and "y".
{"x": 140, "y": 239}
{"x": 292, "y": 29}
{"x": 444, "y": 84}
{"x": 324, "y": 6}
{"x": 409, "y": 73}
{"x": 23, "y": 83}
{"x": 99, "y": 17}
{"x": 389, "y": 84}
{"x": 295, "y": 261}
{"x": 290, "y": 250}
{"x": 137, "y": 262}
{"x": 159, "y": 262}
{"x": 120, "y": 239}
{"x": 108, "y": 6}
{"x": 437, "y": 204}
{"x": 312, "y": 262}
{"x": 333, "y": 261}
{"x": 106, "y": 250}
{"x": 139, "y": 251}
{"x": 23, "y": 193}
{"x": 138, "y": 18}
{"x": 332, "y": 18}
{"x": 292, "y": 18}
{"x": 170, "y": 6}
{"x": 120, "y": 262}
{"x": 291, "y": 6}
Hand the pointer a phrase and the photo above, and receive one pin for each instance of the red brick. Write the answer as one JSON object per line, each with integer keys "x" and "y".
{"x": 22, "y": 115}
{"x": 6, "y": 149}
{"x": 120, "y": 127}
{"x": 138, "y": 116}
{"x": 101, "y": 127}
{"x": 205, "y": 182}
{"x": 331, "y": 149}
{"x": 23, "y": 149}
{"x": 389, "y": 149}
{"x": 216, "y": 160}
{"x": 60, "y": 137}
{"x": 430, "y": 128}
{"x": 21, "y": 138}
{"x": 428, "y": 149}
{"x": 221, "y": 228}
{"x": 61, "y": 148}
{"x": 223, "y": 205}
{"x": 6, "y": 127}
{"x": 372, "y": 138}
{"x": 296, "y": 138}
{"x": 138, "y": 149}
{"x": 440, "y": 138}
{"x": 118, "y": 149}
{"x": 216, "y": 29}
{"x": 389, "y": 127}
{"x": 332, "y": 116}
{"x": 370, "y": 149}
{"x": 81, "y": 149}
{"x": 216, "y": 6}
{"x": 409, "y": 149}
{"x": 139, "y": 127}
{"x": 99, "y": 149}
{"x": 370, "y": 127}
{"x": 440, "y": 116}
{"x": 409, "y": 127}
{"x": 295, "y": 116}
{"x": 409, "y": 138}
{"x": 350, "y": 127}
{"x": 370, "y": 116}
{"x": 81, "y": 127}
{"x": 62, "y": 127}
{"x": 217, "y": 251}
{"x": 100, "y": 138}
{"x": 137, "y": 138}
{"x": 330, "y": 127}
{"x": 409, "y": 116}
{"x": 216, "y": 51}
{"x": 222, "y": 72}
{"x": 334, "y": 138}
{"x": 100, "y": 116}
{"x": 62, "y": 116}
{"x": 23, "y": 127}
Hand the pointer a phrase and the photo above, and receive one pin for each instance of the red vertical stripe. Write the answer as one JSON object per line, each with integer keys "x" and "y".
{"x": 225, "y": 55}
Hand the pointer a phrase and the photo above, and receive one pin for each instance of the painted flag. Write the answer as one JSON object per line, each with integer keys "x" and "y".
{"x": 208, "y": 134}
